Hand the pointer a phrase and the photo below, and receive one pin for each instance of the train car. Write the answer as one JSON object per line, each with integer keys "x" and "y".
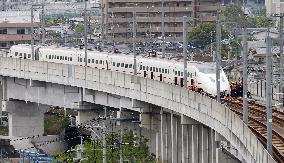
{"x": 22, "y": 51}
{"x": 200, "y": 75}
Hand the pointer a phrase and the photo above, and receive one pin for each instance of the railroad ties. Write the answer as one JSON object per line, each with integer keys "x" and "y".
{"x": 257, "y": 123}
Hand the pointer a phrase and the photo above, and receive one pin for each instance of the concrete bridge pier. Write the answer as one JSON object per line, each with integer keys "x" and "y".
{"x": 25, "y": 118}
{"x": 86, "y": 112}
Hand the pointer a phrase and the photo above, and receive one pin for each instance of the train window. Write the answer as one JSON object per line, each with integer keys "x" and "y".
{"x": 29, "y": 55}
{"x": 194, "y": 73}
{"x": 20, "y": 55}
{"x": 93, "y": 60}
{"x": 25, "y": 55}
{"x": 57, "y": 57}
{"x": 130, "y": 65}
{"x": 49, "y": 57}
{"x": 118, "y": 64}
{"x": 166, "y": 71}
{"x": 70, "y": 58}
{"x": 157, "y": 69}
{"x": 97, "y": 61}
{"x": 126, "y": 65}
{"x": 81, "y": 59}
{"x": 160, "y": 70}
{"x": 181, "y": 74}
{"x": 89, "y": 60}
{"x": 163, "y": 70}
{"x": 101, "y": 62}
{"x": 113, "y": 63}
{"x": 16, "y": 54}
{"x": 178, "y": 73}
{"x": 144, "y": 68}
{"x": 150, "y": 68}
{"x": 147, "y": 68}
{"x": 122, "y": 64}
{"x": 140, "y": 67}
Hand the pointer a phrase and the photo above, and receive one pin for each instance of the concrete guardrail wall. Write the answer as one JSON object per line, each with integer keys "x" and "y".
{"x": 194, "y": 105}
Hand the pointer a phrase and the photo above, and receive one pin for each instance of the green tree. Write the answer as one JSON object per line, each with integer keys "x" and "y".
{"x": 233, "y": 13}
{"x": 134, "y": 148}
{"x": 202, "y": 34}
{"x": 79, "y": 28}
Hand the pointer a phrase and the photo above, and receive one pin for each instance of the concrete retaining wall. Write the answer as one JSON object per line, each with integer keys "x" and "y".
{"x": 180, "y": 100}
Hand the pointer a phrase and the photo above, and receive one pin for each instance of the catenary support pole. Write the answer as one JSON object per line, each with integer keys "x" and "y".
{"x": 32, "y": 33}
{"x": 218, "y": 53}
{"x": 85, "y": 33}
{"x": 163, "y": 29}
{"x": 281, "y": 58}
{"x": 245, "y": 76}
{"x": 185, "y": 27}
{"x": 269, "y": 93}
{"x": 43, "y": 25}
{"x": 134, "y": 42}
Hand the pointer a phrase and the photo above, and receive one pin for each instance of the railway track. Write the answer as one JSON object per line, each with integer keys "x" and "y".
{"x": 257, "y": 123}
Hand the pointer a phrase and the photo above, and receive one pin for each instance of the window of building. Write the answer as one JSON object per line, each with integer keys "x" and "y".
{"x": 3, "y": 31}
{"x": 20, "y": 31}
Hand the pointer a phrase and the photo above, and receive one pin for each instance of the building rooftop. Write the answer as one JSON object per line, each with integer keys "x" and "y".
{"x": 17, "y": 25}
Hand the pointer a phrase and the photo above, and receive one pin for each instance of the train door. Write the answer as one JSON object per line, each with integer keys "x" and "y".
{"x": 152, "y": 75}
{"x": 176, "y": 81}
{"x": 181, "y": 82}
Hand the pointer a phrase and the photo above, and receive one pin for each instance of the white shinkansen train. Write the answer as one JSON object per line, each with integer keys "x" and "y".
{"x": 201, "y": 75}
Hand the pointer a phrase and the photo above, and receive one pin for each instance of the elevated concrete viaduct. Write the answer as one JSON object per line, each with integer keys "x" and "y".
{"x": 186, "y": 126}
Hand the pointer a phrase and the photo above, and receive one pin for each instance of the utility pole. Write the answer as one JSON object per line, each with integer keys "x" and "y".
{"x": 269, "y": 93}
{"x": 211, "y": 46}
{"x": 104, "y": 137}
{"x": 120, "y": 145}
{"x": 218, "y": 53}
{"x": 32, "y": 33}
{"x": 245, "y": 76}
{"x": 134, "y": 41}
{"x": 163, "y": 30}
{"x": 185, "y": 27}
{"x": 43, "y": 25}
{"x": 79, "y": 152}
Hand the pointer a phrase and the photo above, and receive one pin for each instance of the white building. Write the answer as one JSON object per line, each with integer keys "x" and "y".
{"x": 274, "y": 7}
